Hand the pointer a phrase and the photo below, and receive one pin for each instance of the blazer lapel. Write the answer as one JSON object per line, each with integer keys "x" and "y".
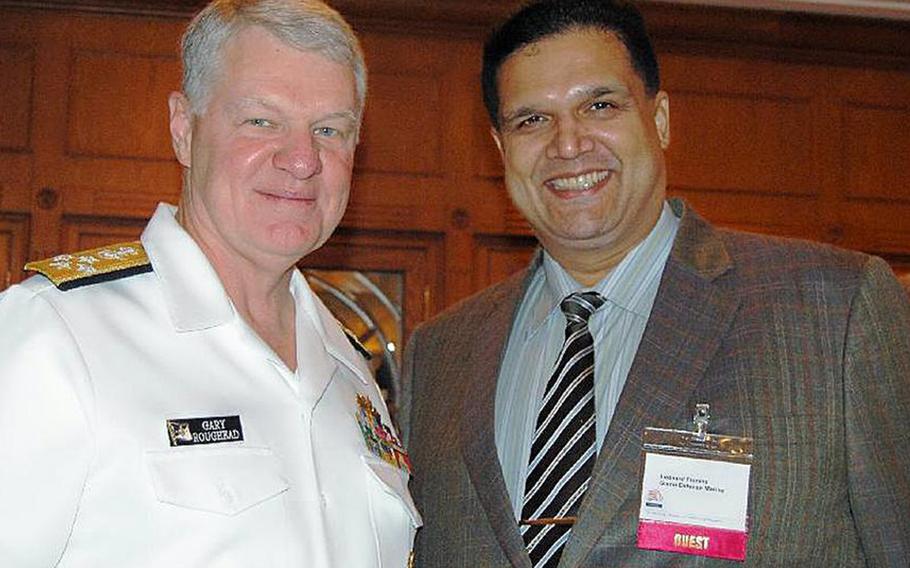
{"x": 478, "y": 442}
{"x": 690, "y": 316}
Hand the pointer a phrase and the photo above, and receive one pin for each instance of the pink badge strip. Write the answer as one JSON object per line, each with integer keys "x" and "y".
{"x": 690, "y": 539}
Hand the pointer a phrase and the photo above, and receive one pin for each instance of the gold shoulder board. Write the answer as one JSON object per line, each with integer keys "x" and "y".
{"x": 68, "y": 271}
{"x": 355, "y": 341}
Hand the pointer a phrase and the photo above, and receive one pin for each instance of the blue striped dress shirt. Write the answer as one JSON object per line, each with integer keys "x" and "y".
{"x": 537, "y": 335}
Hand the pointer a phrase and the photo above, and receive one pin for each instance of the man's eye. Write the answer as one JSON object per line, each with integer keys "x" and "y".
{"x": 326, "y": 131}
{"x": 530, "y": 121}
{"x": 260, "y": 122}
{"x": 341, "y": 132}
{"x": 603, "y": 105}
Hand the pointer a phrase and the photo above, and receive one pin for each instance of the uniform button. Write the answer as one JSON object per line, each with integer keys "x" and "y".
{"x": 226, "y": 493}
{"x": 323, "y": 501}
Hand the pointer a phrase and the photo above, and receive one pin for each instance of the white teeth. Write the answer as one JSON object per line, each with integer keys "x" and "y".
{"x": 579, "y": 183}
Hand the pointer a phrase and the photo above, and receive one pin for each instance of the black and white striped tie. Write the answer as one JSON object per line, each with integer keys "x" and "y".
{"x": 564, "y": 445}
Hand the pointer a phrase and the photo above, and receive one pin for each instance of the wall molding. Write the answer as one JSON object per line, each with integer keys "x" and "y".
{"x": 885, "y": 9}
{"x": 812, "y": 26}
{"x": 490, "y": 9}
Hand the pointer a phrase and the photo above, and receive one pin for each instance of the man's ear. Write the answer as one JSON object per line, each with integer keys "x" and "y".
{"x": 662, "y": 118}
{"x": 497, "y": 137}
{"x": 181, "y": 125}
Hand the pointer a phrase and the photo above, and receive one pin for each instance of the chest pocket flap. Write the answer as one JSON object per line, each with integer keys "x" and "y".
{"x": 391, "y": 480}
{"x": 225, "y": 481}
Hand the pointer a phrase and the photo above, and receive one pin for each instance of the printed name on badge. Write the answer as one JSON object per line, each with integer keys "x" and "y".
{"x": 209, "y": 430}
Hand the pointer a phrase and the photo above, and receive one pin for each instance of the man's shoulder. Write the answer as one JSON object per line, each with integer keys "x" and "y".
{"x": 772, "y": 269}
{"x": 788, "y": 270}
{"x": 92, "y": 266}
{"x": 754, "y": 253}
{"x": 83, "y": 281}
{"x": 702, "y": 243}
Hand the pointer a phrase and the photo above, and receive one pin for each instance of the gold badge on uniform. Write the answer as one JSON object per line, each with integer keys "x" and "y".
{"x": 379, "y": 437}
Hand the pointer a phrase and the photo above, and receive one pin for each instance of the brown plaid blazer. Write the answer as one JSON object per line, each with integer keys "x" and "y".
{"x": 803, "y": 347}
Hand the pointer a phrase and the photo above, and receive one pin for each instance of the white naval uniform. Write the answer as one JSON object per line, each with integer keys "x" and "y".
{"x": 88, "y": 478}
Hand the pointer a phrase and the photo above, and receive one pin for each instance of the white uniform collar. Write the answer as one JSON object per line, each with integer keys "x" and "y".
{"x": 327, "y": 326}
{"x": 194, "y": 295}
{"x": 197, "y": 300}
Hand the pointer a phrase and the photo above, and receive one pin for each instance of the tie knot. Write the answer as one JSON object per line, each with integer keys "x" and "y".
{"x": 579, "y": 306}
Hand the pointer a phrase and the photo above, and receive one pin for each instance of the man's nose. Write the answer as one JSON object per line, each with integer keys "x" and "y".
{"x": 299, "y": 156}
{"x": 570, "y": 139}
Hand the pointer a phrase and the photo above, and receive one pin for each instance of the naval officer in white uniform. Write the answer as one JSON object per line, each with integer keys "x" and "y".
{"x": 186, "y": 400}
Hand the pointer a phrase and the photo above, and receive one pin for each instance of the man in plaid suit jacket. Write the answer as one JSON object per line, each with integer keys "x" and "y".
{"x": 803, "y": 347}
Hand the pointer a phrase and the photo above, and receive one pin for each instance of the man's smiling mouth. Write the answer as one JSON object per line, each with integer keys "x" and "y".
{"x": 284, "y": 196}
{"x": 581, "y": 182}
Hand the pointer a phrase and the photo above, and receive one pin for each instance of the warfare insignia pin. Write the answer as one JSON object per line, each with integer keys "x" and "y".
{"x": 379, "y": 437}
{"x": 211, "y": 430}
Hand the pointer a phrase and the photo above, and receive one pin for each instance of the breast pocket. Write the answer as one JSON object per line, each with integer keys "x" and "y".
{"x": 226, "y": 481}
{"x": 392, "y": 511}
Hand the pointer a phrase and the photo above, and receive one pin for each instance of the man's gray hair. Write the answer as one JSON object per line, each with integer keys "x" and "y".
{"x": 307, "y": 25}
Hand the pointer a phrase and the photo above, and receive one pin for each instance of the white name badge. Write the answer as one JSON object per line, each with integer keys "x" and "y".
{"x": 695, "y": 492}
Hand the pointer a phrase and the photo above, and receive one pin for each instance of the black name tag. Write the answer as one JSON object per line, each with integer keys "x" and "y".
{"x": 211, "y": 430}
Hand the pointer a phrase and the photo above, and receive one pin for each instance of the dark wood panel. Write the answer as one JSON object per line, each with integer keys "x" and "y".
{"x": 873, "y": 158}
{"x": 17, "y": 61}
{"x": 13, "y": 247}
{"x": 498, "y": 256}
{"x": 741, "y": 126}
{"x": 747, "y": 144}
{"x": 876, "y": 151}
{"x": 130, "y": 188}
{"x": 117, "y": 106}
{"x": 103, "y": 116}
{"x": 15, "y": 181}
{"x": 396, "y": 202}
{"x": 83, "y": 233}
{"x": 401, "y": 131}
{"x": 487, "y": 161}
{"x": 778, "y": 215}
{"x": 16, "y": 81}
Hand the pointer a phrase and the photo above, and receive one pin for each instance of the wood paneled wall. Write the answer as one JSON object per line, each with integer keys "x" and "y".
{"x": 780, "y": 123}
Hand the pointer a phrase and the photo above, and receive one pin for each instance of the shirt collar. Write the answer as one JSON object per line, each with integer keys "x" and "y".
{"x": 621, "y": 286}
{"x": 194, "y": 295}
{"x": 196, "y": 299}
{"x": 330, "y": 331}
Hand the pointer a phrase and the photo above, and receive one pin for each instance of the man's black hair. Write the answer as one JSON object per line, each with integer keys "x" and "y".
{"x": 544, "y": 18}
